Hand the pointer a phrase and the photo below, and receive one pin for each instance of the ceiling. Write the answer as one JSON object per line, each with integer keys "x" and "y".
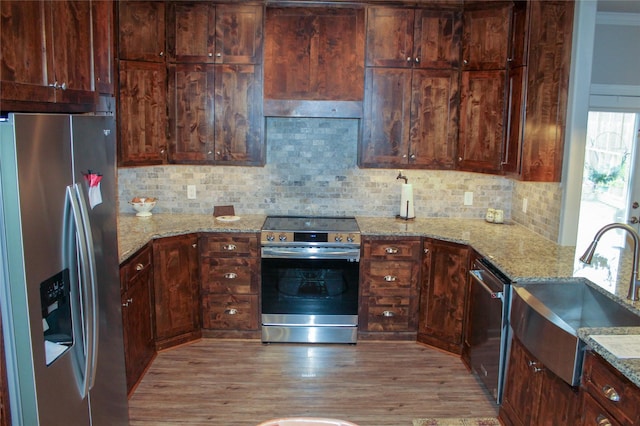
{"x": 619, "y": 6}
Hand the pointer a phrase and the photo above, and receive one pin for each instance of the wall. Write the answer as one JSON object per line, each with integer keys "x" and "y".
{"x": 311, "y": 169}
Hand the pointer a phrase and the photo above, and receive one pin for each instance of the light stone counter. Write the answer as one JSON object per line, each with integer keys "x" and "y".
{"x": 134, "y": 232}
{"x": 518, "y": 252}
{"x": 629, "y": 367}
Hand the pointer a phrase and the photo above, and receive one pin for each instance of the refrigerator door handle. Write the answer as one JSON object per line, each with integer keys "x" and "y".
{"x": 89, "y": 302}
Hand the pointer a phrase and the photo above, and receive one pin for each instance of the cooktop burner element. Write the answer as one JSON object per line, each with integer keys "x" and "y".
{"x": 310, "y": 224}
{"x": 303, "y": 231}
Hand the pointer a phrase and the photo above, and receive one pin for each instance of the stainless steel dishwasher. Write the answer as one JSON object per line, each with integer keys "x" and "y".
{"x": 488, "y": 328}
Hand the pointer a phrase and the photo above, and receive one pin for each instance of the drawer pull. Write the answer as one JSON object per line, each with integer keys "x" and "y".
{"x": 391, "y": 250}
{"x": 127, "y": 303}
{"x": 602, "y": 420}
{"x": 229, "y": 247}
{"x": 390, "y": 278}
{"x": 388, "y": 314}
{"x": 139, "y": 267}
{"x": 231, "y": 311}
{"x": 231, "y": 275}
{"x": 611, "y": 393}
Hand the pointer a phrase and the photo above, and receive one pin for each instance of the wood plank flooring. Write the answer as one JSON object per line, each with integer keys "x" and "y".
{"x": 244, "y": 382}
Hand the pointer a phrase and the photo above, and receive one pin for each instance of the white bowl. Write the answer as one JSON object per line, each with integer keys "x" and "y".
{"x": 143, "y": 207}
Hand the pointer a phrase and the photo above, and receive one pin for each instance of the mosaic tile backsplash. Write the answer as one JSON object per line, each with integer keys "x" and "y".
{"x": 311, "y": 169}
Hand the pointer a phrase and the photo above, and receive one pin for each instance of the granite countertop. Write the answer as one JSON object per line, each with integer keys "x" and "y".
{"x": 629, "y": 367}
{"x": 134, "y": 232}
{"x": 521, "y": 254}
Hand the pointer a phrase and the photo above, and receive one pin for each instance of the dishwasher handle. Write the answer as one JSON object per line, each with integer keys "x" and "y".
{"x": 476, "y": 274}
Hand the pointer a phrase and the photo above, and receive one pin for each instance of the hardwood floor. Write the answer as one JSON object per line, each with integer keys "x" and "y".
{"x": 243, "y": 382}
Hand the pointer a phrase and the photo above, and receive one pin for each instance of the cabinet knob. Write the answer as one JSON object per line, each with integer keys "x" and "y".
{"x": 139, "y": 267}
{"x": 602, "y": 420}
{"x": 459, "y": 158}
{"x": 231, "y": 275}
{"x": 388, "y": 314}
{"x": 161, "y": 53}
{"x": 412, "y": 157}
{"x": 426, "y": 251}
{"x": 231, "y": 311}
{"x": 127, "y": 302}
{"x": 416, "y": 60}
{"x": 229, "y": 247}
{"x": 391, "y": 250}
{"x": 466, "y": 62}
{"x": 408, "y": 59}
{"x": 611, "y": 393}
{"x": 534, "y": 366}
{"x": 390, "y": 278}
{"x": 218, "y": 55}
{"x": 210, "y": 54}
{"x": 194, "y": 245}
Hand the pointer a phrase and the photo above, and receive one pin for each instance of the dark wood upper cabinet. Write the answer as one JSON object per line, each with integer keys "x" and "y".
{"x": 143, "y": 108}
{"x": 191, "y": 113}
{"x": 191, "y": 32}
{"x": 314, "y": 54}
{"x": 547, "y": 90}
{"x": 215, "y": 114}
{"x": 390, "y": 37}
{"x": 238, "y": 115}
{"x": 23, "y": 69}
{"x": 485, "y": 36}
{"x": 410, "y": 38}
{"x": 411, "y": 88}
{"x": 203, "y": 32}
{"x": 482, "y": 109}
{"x": 104, "y": 45}
{"x": 71, "y": 60}
{"x": 141, "y": 30}
{"x": 47, "y": 56}
{"x": 239, "y": 34}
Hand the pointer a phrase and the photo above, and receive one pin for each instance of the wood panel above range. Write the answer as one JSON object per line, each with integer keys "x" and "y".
{"x": 314, "y": 61}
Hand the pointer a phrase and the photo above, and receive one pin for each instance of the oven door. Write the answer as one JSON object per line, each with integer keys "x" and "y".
{"x": 309, "y": 300}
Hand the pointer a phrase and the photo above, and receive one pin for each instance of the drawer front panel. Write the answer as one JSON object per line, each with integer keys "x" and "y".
{"x": 230, "y": 312}
{"x": 226, "y": 245}
{"x": 388, "y": 314}
{"x": 392, "y": 249}
{"x": 239, "y": 275}
{"x": 389, "y": 278}
{"x": 605, "y": 385}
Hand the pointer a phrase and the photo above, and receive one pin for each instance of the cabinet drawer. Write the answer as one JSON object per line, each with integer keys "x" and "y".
{"x": 230, "y": 312}
{"x": 389, "y": 278}
{"x": 392, "y": 313}
{"x": 603, "y": 382}
{"x": 593, "y": 414}
{"x": 137, "y": 264}
{"x": 392, "y": 249}
{"x": 229, "y": 275}
{"x": 226, "y": 245}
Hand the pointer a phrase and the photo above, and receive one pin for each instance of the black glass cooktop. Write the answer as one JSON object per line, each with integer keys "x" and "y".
{"x": 310, "y": 224}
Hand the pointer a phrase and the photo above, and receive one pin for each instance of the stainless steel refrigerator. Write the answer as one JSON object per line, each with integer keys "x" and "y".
{"x": 60, "y": 292}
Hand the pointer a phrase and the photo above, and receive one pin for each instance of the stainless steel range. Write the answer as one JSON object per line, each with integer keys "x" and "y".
{"x": 310, "y": 275}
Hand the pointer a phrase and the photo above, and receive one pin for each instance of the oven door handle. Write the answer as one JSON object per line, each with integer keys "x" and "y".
{"x": 476, "y": 274}
{"x": 310, "y": 253}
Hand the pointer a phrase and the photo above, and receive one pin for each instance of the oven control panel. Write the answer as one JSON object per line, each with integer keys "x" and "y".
{"x": 309, "y": 238}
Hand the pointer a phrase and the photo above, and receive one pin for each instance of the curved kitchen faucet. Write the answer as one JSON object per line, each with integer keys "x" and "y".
{"x": 588, "y": 254}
